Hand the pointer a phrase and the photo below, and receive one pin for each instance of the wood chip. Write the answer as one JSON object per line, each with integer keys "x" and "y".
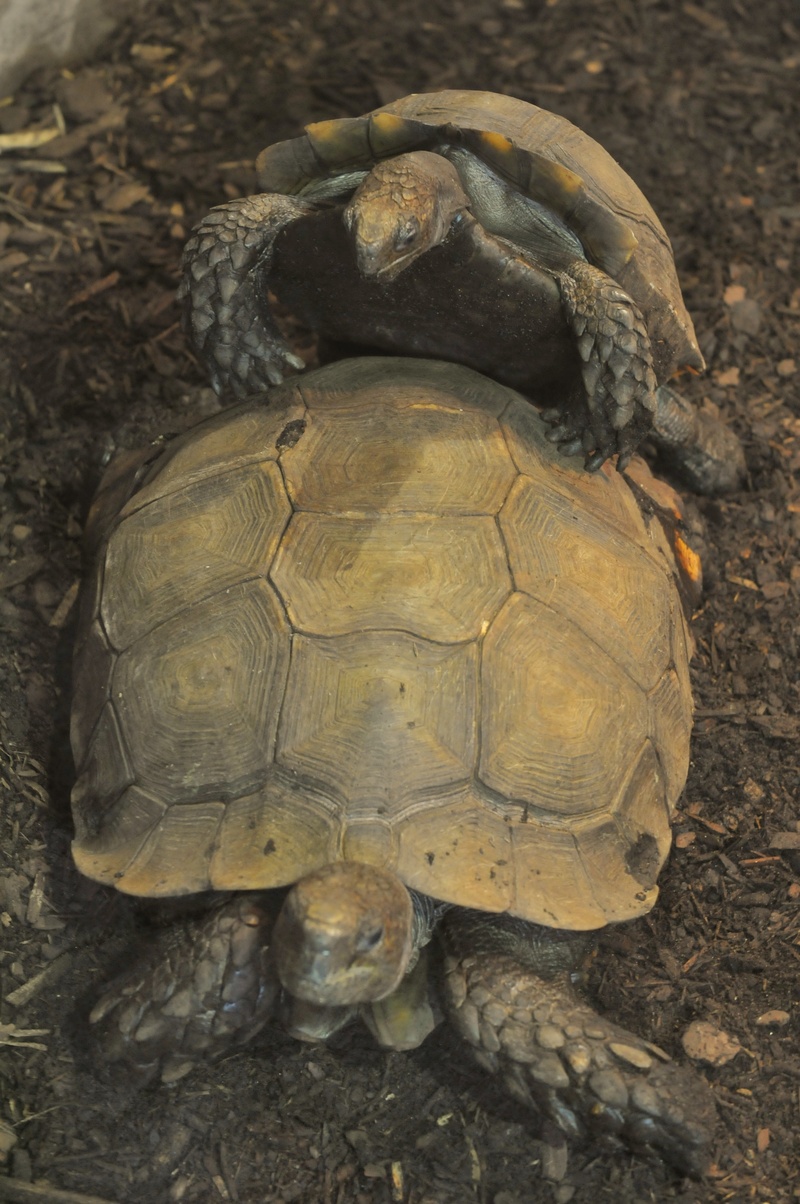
{"x": 62, "y": 611}
{"x": 20, "y": 1038}
{"x": 743, "y": 581}
{"x": 15, "y": 1191}
{"x": 28, "y": 139}
{"x": 91, "y": 290}
{"x": 398, "y": 1186}
{"x": 728, "y": 379}
{"x": 20, "y": 570}
{"x": 711, "y": 22}
{"x": 733, "y": 294}
{"x": 125, "y": 197}
{"x": 785, "y": 840}
{"x": 46, "y": 977}
{"x": 780, "y": 727}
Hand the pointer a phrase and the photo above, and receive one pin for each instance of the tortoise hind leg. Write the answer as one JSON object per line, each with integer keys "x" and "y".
{"x": 701, "y": 450}
{"x": 617, "y": 367}
{"x": 224, "y": 292}
{"x": 203, "y": 988}
{"x": 556, "y": 1054}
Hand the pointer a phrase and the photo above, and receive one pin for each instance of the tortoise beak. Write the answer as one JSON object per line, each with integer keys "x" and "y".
{"x": 373, "y": 263}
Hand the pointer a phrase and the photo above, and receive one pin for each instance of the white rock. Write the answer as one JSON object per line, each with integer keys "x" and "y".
{"x": 39, "y": 33}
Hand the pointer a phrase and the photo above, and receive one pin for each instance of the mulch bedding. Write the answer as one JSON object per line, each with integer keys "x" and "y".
{"x": 700, "y": 104}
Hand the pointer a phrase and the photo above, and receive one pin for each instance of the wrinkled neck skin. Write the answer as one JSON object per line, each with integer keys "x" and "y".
{"x": 508, "y": 213}
{"x": 404, "y": 207}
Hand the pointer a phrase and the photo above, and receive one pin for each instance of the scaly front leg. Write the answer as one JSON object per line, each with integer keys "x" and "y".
{"x": 202, "y": 988}
{"x": 511, "y": 1000}
{"x": 617, "y": 368}
{"x": 225, "y": 287}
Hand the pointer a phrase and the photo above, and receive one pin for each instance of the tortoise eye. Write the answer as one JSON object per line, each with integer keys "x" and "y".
{"x": 406, "y": 235}
{"x": 368, "y": 941}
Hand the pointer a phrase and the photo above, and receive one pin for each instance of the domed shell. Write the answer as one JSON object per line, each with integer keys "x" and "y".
{"x": 381, "y": 619}
{"x": 541, "y": 153}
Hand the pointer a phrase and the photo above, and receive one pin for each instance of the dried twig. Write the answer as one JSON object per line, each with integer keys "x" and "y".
{"x": 50, "y": 974}
{"x": 15, "y": 1191}
{"x": 17, "y": 1038}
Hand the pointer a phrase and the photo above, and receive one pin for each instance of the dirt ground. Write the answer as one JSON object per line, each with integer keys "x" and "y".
{"x": 700, "y": 102}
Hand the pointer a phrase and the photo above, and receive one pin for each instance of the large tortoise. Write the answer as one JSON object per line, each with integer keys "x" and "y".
{"x": 471, "y": 226}
{"x": 376, "y": 641}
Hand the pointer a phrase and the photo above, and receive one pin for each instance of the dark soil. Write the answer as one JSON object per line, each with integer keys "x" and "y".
{"x": 700, "y": 103}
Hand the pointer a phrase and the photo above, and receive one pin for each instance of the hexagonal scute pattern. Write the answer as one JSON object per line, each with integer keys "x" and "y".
{"x": 602, "y": 494}
{"x": 441, "y": 579}
{"x": 592, "y": 575}
{"x": 188, "y": 545}
{"x": 241, "y": 435}
{"x": 402, "y": 383}
{"x": 104, "y": 850}
{"x": 198, "y": 697}
{"x": 456, "y": 845}
{"x": 174, "y": 858}
{"x": 286, "y": 828}
{"x": 670, "y": 712}
{"x": 560, "y": 722}
{"x": 105, "y": 773}
{"x": 378, "y": 459}
{"x": 379, "y": 716}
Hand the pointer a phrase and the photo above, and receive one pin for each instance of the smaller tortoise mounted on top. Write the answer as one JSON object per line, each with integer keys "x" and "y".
{"x": 476, "y": 227}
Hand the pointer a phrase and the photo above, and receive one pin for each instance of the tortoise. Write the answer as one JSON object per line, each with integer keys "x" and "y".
{"x": 401, "y": 697}
{"x": 472, "y": 226}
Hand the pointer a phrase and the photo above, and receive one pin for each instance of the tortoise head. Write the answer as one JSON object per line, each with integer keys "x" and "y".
{"x": 403, "y": 208}
{"x": 344, "y": 935}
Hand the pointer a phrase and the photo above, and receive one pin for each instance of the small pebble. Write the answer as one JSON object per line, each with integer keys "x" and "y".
{"x": 776, "y": 1017}
{"x": 704, "y": 1042}
{"x": 554, "y": 1160}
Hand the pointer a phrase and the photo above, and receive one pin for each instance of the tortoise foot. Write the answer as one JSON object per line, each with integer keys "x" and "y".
{"x": 224, "y": 293}
{"x": 617, "y": 368}
{"x": 203, "y": 988}
{"x": 575, "y": 1068}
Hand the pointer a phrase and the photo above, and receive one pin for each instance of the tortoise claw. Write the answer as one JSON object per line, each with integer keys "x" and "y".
{"x": 595, "y": 461}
